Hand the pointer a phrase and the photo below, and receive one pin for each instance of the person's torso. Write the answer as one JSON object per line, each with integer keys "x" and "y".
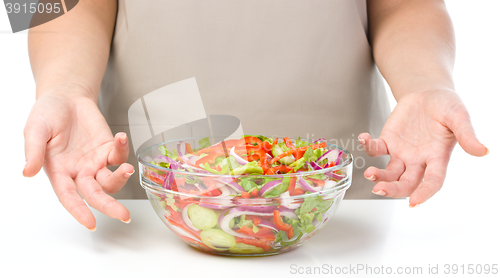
{"x": 289, "y": 67}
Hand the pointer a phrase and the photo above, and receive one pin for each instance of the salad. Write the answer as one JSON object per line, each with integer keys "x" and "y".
{"x": 253, "y": 195}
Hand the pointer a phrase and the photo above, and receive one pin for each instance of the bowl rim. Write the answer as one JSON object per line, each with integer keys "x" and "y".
{"x": 140, "y": 160}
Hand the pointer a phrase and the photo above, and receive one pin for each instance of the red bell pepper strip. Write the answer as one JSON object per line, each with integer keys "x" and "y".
{"x": 263, "y": 232}
{"x": 175, "y": 219}
{"x": 262, "y": 160}
{"x": 245, "y": 194}
{"x": 304, "y": 148}
{"x": 180, "y": 224}
{"x": 263, "y": 243}
{"x": 210, "y": 159}
{"x": 182, "y": 203}
{"x": 317, "y": 182}
{"x": 298, "y": 191}
{"x": 155, "y": 179}
{"x": 275, "y": 141}
{"x": 227, "y": 144}
{"x": 189, "y": 149}
{"x": 291, "y": 185}
{"x": 267, "y": 146}
{"x": 253, "y": 157}
{"x": 300, "y": 154}
{"x": 250, "y": 140}
{"x": 289, "y": 144}
{"x": 254, "y": 192}
{"x": 281, "y": 168}
{"x": 281, "y": 225}
{"x": 255, "y": 219}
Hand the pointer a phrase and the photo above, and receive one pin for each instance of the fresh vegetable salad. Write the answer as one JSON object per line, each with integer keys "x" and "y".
{"x": 254, "y": 195}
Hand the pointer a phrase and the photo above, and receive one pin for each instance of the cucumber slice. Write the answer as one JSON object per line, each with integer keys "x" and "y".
{"x": 217, "y": 239}
{"x": 202, "y": 218}
{"x": 242, "y": 248}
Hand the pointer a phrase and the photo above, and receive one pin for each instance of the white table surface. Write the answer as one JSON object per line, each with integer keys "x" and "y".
{"x": 43, "y": 238}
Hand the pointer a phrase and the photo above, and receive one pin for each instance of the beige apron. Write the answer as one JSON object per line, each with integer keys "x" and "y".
{"x": 290, "y": 67}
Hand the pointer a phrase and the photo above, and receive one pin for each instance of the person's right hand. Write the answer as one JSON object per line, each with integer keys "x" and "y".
{"x": 67, "y": 135}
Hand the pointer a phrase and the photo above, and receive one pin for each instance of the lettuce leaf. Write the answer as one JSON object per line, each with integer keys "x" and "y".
{"x": 204, "y": 142}
{"x": 173, "y": 155}
{"x": 311, "y": 209}
{"x": 299, "y": 143}
{"x": 223, "y": 171}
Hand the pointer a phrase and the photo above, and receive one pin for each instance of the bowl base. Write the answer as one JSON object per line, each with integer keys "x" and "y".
{"x": 229, "y": 254}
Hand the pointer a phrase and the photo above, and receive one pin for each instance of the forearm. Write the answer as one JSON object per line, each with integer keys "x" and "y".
{"x": 72, "y": 51}
{"x": 413, "y": 44}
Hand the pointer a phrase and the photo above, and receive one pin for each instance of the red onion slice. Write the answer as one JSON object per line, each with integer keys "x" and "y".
{"x": 162, "y": 158}
{"x": 195, "y": 169}
{"x": 269, "y": 186}
{"x": 329, "y": 184}
{"x": 290, "y": 213}
{"x": 257, "y": 208}
{"x": 320, "y": 139}
{"x": 339, "y": 157}
{"x": 288, "y": 202}
{"x": 187, "y": 221}
{"x": 239, "y": 159}
{"x": 315, "y": 166}
{"x": 193, "y": 159}
{"x": 331, "y": 155}
{"x": 306, "y": 186}
{"x": 267, "y": 224}
{"x": 181, "y": 154}
{"x": 227, "y": 215}
{"x": 229, "y": 182}
{"x": 334, "y": 176}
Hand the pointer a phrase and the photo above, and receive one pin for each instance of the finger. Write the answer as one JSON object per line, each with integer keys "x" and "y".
{"x": 36, "y": 136}
{"x": 119, "y": 153}
{"x": 392, "y": 172}
{"x": 112, "y": 182}
{"x": 406, "y": 184}
{"x": 461, "y": 126}
{"x": 93, "y": 193}
{"x": 372, "y": 147}
{"x": 68, "y": 196}
{"x": 435, "y": 174}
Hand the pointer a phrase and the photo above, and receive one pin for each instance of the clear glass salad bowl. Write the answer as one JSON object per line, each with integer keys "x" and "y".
{"x": 244, "y": 212}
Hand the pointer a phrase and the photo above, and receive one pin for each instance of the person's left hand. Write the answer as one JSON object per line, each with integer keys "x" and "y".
{"x": 419, "y": 136}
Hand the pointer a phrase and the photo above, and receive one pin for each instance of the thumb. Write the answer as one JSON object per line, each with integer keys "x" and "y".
{"x": 36, "y": 136}
{"x": 461, "y": 126}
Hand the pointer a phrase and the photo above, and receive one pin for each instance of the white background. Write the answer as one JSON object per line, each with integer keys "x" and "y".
{"x": 468, "y": 200}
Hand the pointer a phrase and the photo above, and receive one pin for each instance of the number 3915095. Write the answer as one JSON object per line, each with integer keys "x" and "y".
{"x": 33, "y": 8}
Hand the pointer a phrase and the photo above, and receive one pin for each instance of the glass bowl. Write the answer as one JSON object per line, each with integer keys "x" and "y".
{"x": 215, "y": 214}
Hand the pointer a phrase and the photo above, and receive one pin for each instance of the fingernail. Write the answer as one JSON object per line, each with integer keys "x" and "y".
{"x": 25, "y": 164}
{"x": 380, "y": 192}
{"x": 93, "y": 229}
{"x": 123, "y": 139}
{"x": 371, "y": 178}
{"x": 361, "y": 141}
{"x": 414, "y": 206}
{"x": 487, "y": 151}
{"x": 127, "y": 175}
{"x": 126, "y": 221}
